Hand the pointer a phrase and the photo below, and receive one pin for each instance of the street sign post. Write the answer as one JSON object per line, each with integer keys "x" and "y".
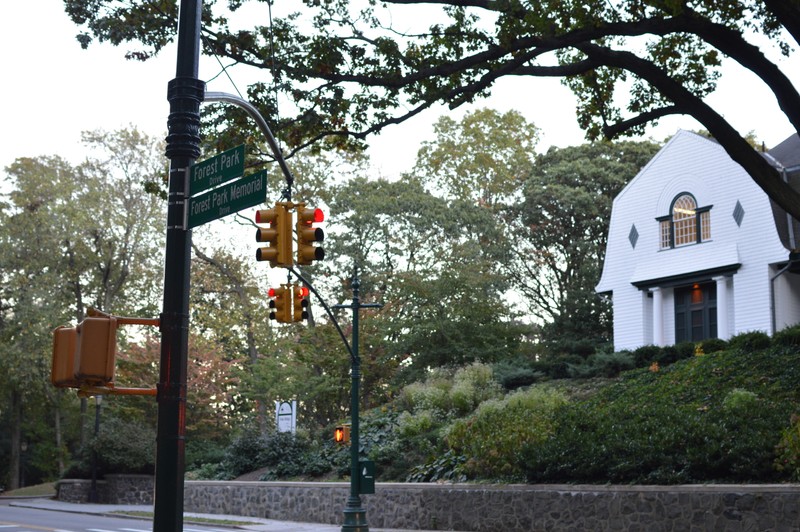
{"x": 221, "y": 201}
{"x": 216, "y": 170}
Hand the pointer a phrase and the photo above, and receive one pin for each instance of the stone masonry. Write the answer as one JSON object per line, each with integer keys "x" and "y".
{"x": 490, "y": 508}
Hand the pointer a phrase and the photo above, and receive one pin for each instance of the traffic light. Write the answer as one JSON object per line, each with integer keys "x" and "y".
{"x": 278, "y": 235}
{"x": 341, "y": 434}
{"x": 300, "y": 302}
{"x": 281, "y": 304}
{"x": 307, "y": 234}
{"x": 62, "y": 373}
{"x": 96, "y": 348}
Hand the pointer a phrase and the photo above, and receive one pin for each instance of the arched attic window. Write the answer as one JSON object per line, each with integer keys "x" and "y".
{"x": 686, "y": 223}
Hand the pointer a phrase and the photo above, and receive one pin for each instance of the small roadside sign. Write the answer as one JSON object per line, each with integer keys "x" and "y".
{"x": 216, "y": 170}
{"x": 233, "y": 197}
{"x": 286, "y": 416}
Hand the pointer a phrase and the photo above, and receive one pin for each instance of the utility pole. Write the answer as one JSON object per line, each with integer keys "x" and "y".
{"x": 185, "y": 94}
{"x": 355, "y": 516}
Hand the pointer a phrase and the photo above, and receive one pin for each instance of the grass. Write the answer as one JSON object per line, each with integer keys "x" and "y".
{"x": 191, "y": 519}
{"x": 40, "y": 490}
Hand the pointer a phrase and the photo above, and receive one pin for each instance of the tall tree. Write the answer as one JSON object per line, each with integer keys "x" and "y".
{"x": 71, "y": 237}
{"x": 350, "y": 69}
{"x": 562, "y": 225}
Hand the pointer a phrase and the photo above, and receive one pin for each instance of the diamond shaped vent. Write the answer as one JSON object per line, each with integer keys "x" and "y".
{"x": 633, "y": 236}
{"x": 738, "y": 213}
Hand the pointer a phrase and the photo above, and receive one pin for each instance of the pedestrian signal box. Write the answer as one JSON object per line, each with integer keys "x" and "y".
{"x": 96, "y": 346}
{"x": 85, "y": 356}
{"x": 341, "y": 434}
{"x": 63, "y": 371}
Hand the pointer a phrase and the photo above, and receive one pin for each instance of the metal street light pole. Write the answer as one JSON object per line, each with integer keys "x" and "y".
{"x": 355, "y": 516}
{"x": 98, "y": 400}
{"x": 185, "y": 93}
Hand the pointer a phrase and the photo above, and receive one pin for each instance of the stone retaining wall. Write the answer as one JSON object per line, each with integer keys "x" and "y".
{"x": 472, "y": 507}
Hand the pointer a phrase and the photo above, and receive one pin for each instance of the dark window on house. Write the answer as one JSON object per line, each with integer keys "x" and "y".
{"x": 686, "y": 223}
{"x": 695, "y": 312}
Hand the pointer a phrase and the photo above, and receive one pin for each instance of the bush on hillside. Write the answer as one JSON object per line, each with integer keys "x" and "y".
{"x": 788, "y": 450}
{"x": 712, "y": 345}
{"x": 643, "y": 356}
{"x": 714, "y": 418}
{"x": 750, "y": 341}
{"x": 788, "y": 337}
{"x": 122, "y": 448}
{"x": 490, "y": 438}
{"x": 603, "y": 365}
{"x": 515, "y": 373}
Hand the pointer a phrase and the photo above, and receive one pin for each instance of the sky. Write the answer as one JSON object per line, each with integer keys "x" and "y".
{"x": 52, "y": 90}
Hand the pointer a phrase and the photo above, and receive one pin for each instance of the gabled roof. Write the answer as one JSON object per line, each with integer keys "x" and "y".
{"x": 786, "y": 158}
{"x": 787, "y": 153}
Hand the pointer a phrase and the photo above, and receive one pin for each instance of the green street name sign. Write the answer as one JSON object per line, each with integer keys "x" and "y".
{"x": 216, "y": 170}
{"x": 233, "y": 197}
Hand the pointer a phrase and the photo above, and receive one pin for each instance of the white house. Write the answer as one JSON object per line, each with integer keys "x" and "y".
{"x": 697, "y": 250}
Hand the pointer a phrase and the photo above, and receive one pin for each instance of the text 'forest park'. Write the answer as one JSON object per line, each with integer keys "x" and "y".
{"x": 220, "y": 164}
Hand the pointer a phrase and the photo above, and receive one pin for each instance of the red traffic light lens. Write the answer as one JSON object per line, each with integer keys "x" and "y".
{"x": 303, "y": 291}
{"x": 271, "y": 292}
{"x": 319, "y": 216}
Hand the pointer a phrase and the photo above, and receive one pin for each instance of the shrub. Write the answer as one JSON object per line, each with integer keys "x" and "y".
{"x": 559, "y": 367}
{"x": 712, "y": 345}
{"x": 447, "y": 467}
{"x": 431, "y": 395}
{"x": 788, "y": 337}
{"x": 124, "y": 447}
{"x": 788, "y": 449}
{"x": 643, "y": 356}
{"x": 604, "y": 365}
{"x": 472, "y": 385}
{"x": 515, "y": 373}
{"x": 490, "y": 439}
{"x": 242, "y": 456}
{"x": 750, "y": 341}
{"x": 685, "y": 350}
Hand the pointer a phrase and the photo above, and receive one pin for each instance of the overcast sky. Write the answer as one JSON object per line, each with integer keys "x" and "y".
{"x": 52, "y": 90}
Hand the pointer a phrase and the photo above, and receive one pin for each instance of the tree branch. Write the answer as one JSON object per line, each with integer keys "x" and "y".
{"x": 737, "y": 148}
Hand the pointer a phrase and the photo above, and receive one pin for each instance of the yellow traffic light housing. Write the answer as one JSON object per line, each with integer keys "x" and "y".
{"x": 84, "y": 356}
{"x": 300, "y": 302}
{"x": 97, "y": 350}
{"x": 278, "y": 235}
{"x": 341, "y": 434}
{"x": 62, "y": 373}
{"x": 281, "y": 304}
{"x": 307, "y": 234}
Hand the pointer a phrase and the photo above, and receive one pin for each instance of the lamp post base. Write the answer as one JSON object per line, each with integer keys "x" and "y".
{"x": 355, "y": 517}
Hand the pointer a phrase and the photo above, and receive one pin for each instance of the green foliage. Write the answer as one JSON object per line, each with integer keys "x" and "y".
{"x": 491, "y": 437}
{"x": 646, "y": 354}
{"x": 458, "y": 395}
{"x": 516, "y": 372}
{"x": 449, "y": 467}
{"x": 712, "y": 345}
{"x": 713, "y": 418}
{"x": 603, "y": 365}
{"x": 284, "y": 454}
{"x": 124, "y": 447}
{"x": 564, "y": 220}
{"x": 788, "y": 450}
{"x": 750, "y": 341}
{"x": 789, "y": 337}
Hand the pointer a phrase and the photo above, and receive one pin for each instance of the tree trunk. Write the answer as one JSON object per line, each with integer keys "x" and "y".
{"x": 16, "y": 440}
